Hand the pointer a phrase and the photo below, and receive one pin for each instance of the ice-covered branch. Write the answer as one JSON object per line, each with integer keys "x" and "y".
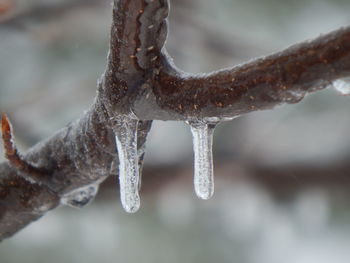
{"x": 140, "y": 84}
{"x": 74, "y": 159}
{"x": 284, "y": 77}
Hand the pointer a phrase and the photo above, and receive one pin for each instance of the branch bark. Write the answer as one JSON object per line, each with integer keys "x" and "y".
{"x": 284, "y": 77}
{"x": 140, "y": 81}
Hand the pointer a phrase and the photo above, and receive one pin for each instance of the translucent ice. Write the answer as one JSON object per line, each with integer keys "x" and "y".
{"x": 126, "y": 140}
{"x": 202, "y": 134}
{"x": 80, "y": 197}
{"x": 342, "y": 86}
{"x": 141, "y": 152}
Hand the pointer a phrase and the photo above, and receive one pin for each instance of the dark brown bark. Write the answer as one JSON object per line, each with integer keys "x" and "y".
{"x": 141, "y": 82}
{"x": 285, "y": 77}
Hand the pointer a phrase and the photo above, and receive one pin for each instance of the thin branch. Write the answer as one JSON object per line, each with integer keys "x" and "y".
{"x": 15, "y": 158}
{"x": 284, "y": 77}
{"x": 138, "y": 34}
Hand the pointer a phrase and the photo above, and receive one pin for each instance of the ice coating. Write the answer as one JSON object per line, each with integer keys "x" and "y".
{"x": 141, "y": 152}
{"x": 80, "y": 197}
{"x": 202, "y": 135}
{"x": 126, "y": 140}
{"x": 342, "y": 86}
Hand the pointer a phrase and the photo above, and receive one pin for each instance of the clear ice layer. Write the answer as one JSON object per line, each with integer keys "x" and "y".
{"x": 129, "y": 179}
{"x": 342, "y": 86}
{"x": 80, "y": 197}
{"x": 202, "y": 134}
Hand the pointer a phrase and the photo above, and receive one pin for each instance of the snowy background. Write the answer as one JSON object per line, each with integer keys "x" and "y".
{"x": 282, "y": 176}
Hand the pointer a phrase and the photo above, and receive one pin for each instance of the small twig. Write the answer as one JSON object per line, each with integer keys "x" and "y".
{"x": 12, "y": 154}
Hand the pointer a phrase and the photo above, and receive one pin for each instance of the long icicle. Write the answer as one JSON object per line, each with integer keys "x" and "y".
{"x": 202, "y": 134}
{"x": 126, "y": 140}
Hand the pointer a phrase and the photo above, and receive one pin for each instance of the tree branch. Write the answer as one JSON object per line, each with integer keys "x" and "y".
{"x": 141, "y": 83}
{"x": 284, "y": 77}
{"x": 79, "y": 155}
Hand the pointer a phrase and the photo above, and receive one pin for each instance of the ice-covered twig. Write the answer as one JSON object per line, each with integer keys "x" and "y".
{"x": 263, "y": 83}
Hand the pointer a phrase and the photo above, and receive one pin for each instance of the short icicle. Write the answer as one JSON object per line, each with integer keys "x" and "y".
{"x": 126, "y": 139}
{"x": 202, "y": 134}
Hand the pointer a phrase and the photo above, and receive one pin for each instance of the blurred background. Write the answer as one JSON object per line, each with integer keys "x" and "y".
{"x": 282, "y": 176}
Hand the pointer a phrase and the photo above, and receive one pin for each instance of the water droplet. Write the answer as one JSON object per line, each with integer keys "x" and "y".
{"x": 80, "y": 197}
{"x": 126, "y": 140}
{"x": 342, "y": 86}
{"x": 202, "y": 134}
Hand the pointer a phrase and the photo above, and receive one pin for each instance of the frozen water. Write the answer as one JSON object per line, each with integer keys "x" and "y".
{"x": 342, "y": 86}
{"x": 126, "y": 139}
{"x": 80, "y": 197}
{"x": 202, "y": 134}
{"x": 141, "y": 151}
{"x": 218, "y": 119}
